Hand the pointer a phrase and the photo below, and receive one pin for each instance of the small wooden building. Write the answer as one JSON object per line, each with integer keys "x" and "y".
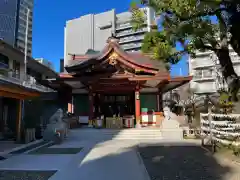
{"x": 117, "y": 83}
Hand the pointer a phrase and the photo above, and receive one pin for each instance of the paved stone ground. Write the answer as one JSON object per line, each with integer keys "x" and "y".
{"x": 119, "y": 159}
{"x": 171, "y": 161}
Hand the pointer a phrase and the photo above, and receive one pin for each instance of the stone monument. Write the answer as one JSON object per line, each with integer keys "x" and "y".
{"x": 55, "y": 123}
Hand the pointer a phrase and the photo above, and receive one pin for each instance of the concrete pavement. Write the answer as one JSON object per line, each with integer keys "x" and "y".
{"x": 119, "y": 159}
{"x": 100, "y": 160}
{"x": 106, "y": 161}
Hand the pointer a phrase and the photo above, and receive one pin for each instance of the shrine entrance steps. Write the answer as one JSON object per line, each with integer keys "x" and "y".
{"x": 170, "y": 130}
{"x": 120, "y": 134}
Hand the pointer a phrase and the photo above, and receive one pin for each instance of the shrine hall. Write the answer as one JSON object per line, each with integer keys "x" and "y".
{"x": 114, "y": 83}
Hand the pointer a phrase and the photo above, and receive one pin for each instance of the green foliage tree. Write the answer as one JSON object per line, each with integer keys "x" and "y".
{"x": 189, "y": 23}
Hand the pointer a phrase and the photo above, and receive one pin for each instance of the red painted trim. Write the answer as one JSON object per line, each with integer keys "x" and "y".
{"x": 150, "y": 123}
{"x": 151, "y": 113}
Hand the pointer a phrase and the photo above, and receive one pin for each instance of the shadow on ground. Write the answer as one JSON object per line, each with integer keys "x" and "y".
{"x": 178, "y": 161}
{"x": 105, "y": 159}
{"x": 163, "y": 161}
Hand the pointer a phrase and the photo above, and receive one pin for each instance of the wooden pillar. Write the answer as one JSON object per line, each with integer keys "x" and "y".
{"x": 71, "y": 106}
{"x": 91, "y": 106}
{"x": 137, "y": 107}
{"x": 19, "y": 120}
{"x": 158, "y": 102}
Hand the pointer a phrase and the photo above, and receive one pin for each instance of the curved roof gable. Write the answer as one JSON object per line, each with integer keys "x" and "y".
{"x": 128, "y": 59}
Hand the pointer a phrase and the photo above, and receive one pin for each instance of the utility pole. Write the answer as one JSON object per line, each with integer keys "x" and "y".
{"x": 26, "y": 45}
{"x": 25, "y": 71}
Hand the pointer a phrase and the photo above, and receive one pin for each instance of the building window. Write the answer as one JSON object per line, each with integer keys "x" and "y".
{"x": 4, "y": 61}
{"x": 16, "y": 69}
{"x": 198, "y": 74}
{"x": 207, "y": 73}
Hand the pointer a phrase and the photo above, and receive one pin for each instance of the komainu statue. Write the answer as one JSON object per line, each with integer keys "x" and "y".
{"x": 56, "y": 124}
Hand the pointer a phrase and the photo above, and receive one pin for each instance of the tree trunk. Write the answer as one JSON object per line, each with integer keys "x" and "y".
{"x": 228, "y": 72}
{"x": 235, "y": 39}
{"x": 234, "y": 28}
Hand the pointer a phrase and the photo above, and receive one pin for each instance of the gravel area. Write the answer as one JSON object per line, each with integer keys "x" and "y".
{"x": 25, "y": 175}
{"x": 180, "y": 162}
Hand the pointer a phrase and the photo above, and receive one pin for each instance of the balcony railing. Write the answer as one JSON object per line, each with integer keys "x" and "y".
{"x": 131, "y": 39}
{"x": 126, "y": 24}
{"x": 123, "y": 25}
{"x": 4, "y": 66}
{"x": 131, "y": 32}
{"x": 131, "y": 46}
{"x": 30, "y": 81}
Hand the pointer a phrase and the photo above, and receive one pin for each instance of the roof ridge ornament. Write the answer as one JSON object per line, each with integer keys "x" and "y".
{"x": 113, "y": 39}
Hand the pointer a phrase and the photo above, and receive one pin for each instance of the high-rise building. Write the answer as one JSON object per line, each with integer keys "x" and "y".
{"x": 14, "y": 21}
{"x": 92, "y": 31}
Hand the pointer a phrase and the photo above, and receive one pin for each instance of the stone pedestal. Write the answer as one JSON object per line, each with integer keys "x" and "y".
{"x": 170, "y": 127}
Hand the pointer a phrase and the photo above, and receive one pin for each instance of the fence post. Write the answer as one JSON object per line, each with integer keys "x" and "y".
{"x": 201, "y": 130}
{"x": 210, "y": 127}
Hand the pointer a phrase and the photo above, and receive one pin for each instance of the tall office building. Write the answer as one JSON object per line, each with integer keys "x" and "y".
{"x": 13, "y": 23}
{"x": 92, "y": 31}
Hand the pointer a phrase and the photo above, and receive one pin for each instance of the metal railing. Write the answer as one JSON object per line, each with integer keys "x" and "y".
{"x": 123, "y": 25}
{"x": 30, "y": 81}
{"x": 131, "y": 39}
{"x": 131, "y": 46}
{"x": 131, "y": 32}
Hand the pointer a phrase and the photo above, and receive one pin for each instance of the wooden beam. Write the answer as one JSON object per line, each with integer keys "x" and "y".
{"x": 19, "y": 119}
{"x": 18, "y": 91}
{"x": 162, "y": 83}
{"x": 114, "y": 89}
{"x": 143, "y": 78}
{"x": 12, "y": 95}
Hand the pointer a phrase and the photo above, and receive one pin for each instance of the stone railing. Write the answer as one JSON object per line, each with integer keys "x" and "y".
{"x": 224, "y": 129}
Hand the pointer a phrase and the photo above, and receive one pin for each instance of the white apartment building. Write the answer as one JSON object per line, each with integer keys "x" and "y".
{"x": 92, "y": 31}
{"x": 206, "y": 72}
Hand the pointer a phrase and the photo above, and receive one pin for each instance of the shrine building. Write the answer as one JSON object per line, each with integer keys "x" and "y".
{"x": 116, "y": 83}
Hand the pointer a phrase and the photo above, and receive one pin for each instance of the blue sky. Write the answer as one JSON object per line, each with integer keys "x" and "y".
{"x": 49, "y": 21}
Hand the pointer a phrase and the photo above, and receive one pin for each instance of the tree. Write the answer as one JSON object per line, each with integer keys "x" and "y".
{"x": 189, "y": 24}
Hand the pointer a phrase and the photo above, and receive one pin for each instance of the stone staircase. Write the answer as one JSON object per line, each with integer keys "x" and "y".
{"x": 121, "y": 134}
{"x": 140, "y": 134}
{"x": 169, "y": 130}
